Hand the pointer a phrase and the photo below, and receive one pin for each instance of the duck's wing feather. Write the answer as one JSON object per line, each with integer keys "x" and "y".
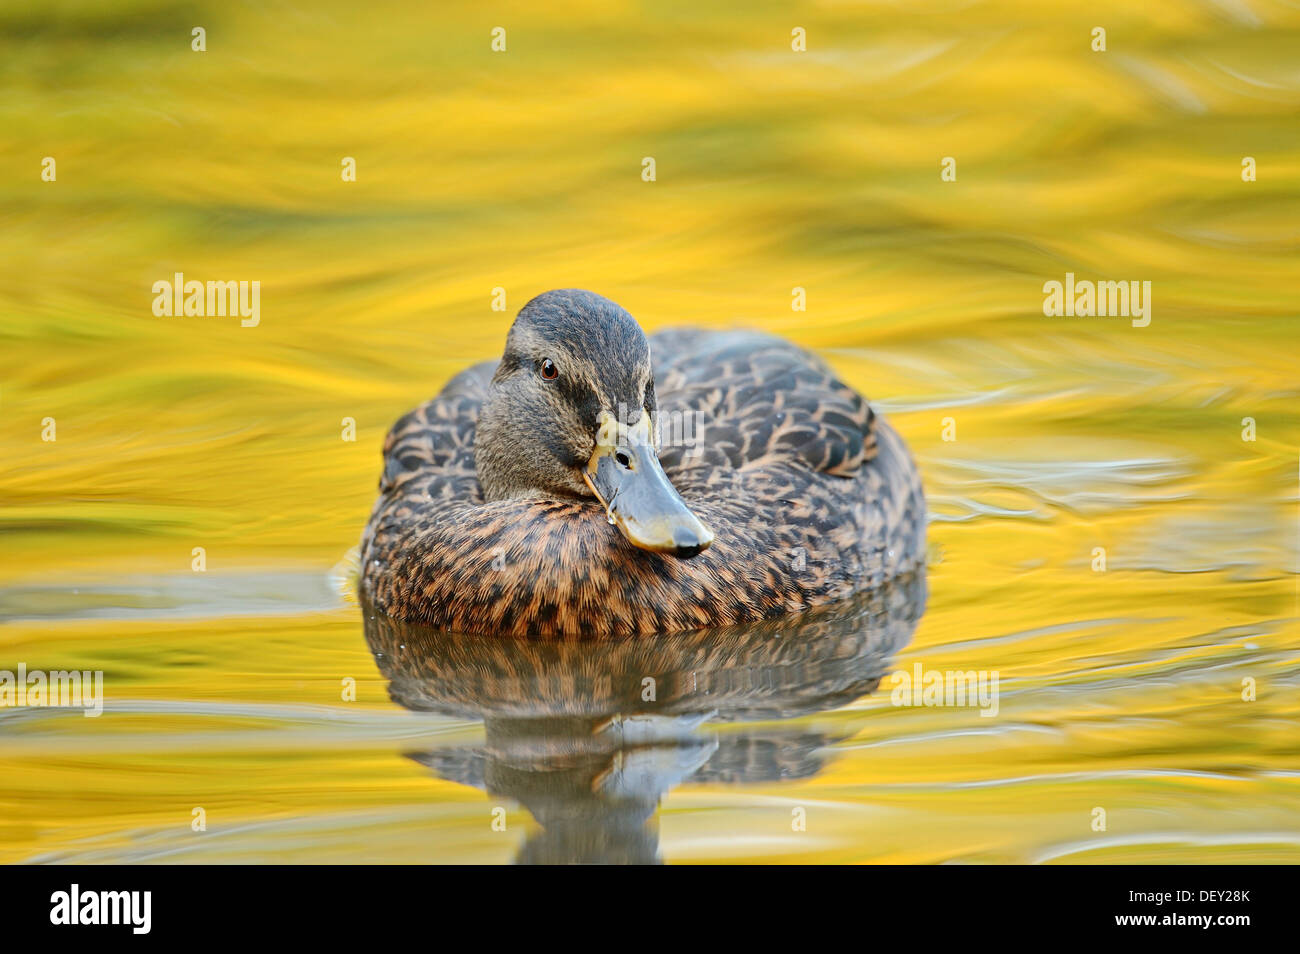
{"x": 744, "y": 399}
{"x": 434, "y": 443}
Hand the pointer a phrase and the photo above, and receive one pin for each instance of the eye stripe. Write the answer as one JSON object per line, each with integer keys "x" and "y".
{"x": 580, "y": 395}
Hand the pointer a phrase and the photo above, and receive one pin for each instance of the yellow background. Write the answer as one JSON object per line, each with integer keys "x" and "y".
{"x": 775, "y": 170}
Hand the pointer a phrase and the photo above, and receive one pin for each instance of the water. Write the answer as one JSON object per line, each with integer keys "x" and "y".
{"x": 1119, "y": 689}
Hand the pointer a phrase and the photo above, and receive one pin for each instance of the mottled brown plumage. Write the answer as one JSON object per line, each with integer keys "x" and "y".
{"x": 771, "y": 670}
{"x": 811, "y": 496}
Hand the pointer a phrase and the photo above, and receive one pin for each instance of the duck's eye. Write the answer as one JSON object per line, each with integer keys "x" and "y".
{"x": 549, "y": 371}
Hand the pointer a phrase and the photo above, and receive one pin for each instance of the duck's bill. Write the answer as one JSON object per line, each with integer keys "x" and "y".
{"x": 625, "y": 475}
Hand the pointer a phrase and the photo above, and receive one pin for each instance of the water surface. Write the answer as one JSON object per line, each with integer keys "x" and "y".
{"x": 228, "y": 690}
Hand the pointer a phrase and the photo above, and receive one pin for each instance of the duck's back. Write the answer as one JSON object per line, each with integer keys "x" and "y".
{"x": 812, "y": 498}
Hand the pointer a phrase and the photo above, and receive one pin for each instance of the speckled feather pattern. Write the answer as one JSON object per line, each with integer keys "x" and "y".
{"x": 770, "y": 670}
{"x": 812, "y": 498}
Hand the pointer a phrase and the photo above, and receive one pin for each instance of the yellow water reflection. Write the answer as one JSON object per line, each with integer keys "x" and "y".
{"x": 1121, "y": 688}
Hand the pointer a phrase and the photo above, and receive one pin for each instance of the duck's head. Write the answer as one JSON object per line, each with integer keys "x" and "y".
{"x": 571, "y": 412}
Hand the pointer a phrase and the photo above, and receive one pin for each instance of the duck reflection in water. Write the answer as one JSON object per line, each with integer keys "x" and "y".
{"x": 588, "y": 736}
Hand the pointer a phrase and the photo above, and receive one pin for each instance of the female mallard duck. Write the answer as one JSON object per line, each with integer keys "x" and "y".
{"x": 780, "y": 491}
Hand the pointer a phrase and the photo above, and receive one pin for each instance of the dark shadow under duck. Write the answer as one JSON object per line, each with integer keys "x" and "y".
{"x": 744, "y": 479}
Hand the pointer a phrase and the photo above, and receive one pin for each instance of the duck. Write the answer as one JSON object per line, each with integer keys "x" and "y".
{"x": 596, "y": 482}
